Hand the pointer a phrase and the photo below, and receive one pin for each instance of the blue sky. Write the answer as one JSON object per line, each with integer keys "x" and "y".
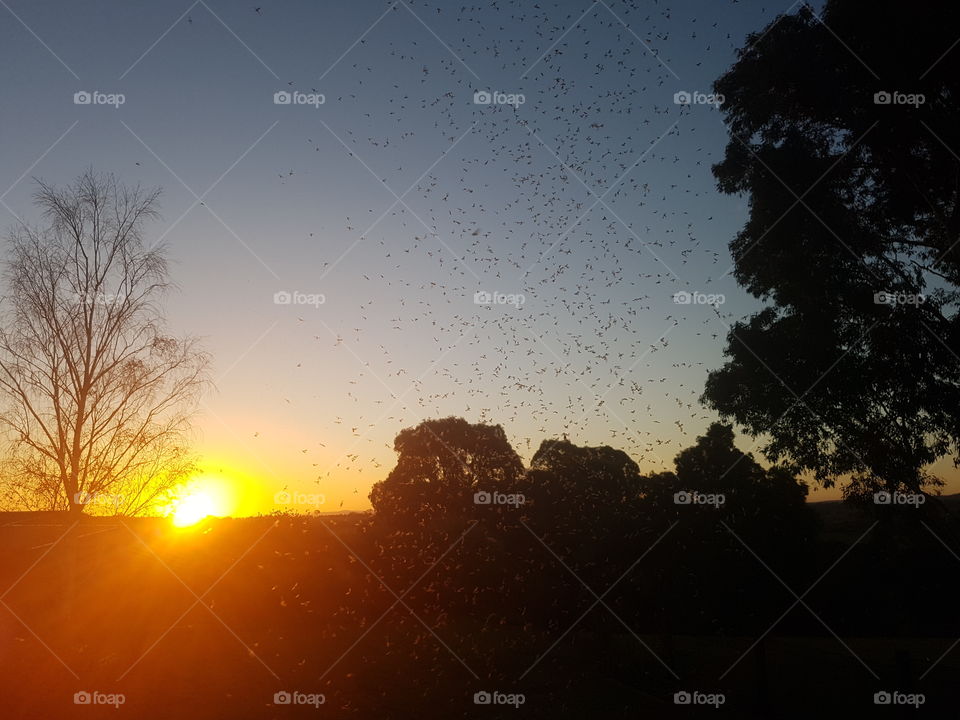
{"x": 397, "y": 200}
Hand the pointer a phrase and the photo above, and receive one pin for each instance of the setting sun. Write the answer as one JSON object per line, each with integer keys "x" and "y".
{"x": 192, "y": 509}
{"x": 205, "y": 496}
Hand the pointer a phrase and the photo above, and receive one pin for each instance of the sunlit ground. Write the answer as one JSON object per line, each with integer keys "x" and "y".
{"x": 204, "y": 496}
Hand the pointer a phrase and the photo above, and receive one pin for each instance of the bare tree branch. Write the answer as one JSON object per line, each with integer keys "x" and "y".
{"x": 97, "y": 396}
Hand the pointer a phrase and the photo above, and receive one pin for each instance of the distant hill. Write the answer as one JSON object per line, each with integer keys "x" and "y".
{"x": 838, "y": 517}
{"x": 841, "y": 520}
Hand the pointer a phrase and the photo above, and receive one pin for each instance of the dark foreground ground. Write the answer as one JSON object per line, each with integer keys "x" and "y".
{"x": 213, "y": 621}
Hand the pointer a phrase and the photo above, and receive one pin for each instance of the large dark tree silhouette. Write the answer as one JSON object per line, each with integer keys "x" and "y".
{"x": 582, "y": 490}
{"x": 764, "y": 506}
{"x": 440, "y": 465}
{"x": 707, "y": 573}
{"x": 585, "y": 504}
{"x": 850, "y": 196}
{"x": 425, "y": 515}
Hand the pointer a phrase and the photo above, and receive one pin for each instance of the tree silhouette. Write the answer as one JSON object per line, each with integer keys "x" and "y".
{"x": 853, "y": 194}
{"x": 440, "y": 465}
{"x": 581, "y": 491}
{"x": 707, "y": 575}
{"x": 763, "y": 505}
{"x": 583, "y": 503}
{"x": 97, "y": 396}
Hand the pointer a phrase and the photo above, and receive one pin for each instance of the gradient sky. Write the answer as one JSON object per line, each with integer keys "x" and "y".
{"x": 303, "y": 198}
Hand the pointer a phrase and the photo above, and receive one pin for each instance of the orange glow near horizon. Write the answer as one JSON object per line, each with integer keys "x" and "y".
{"x": 202, "y": 497}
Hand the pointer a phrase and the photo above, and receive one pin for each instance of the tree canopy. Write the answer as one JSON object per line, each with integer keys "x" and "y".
{"x": 441, "y": 464}
{"x": 847, "y": 151}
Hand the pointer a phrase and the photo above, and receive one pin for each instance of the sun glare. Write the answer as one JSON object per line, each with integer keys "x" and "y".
{"x": 192, "y": 509}
{"x": 204, "y": 497}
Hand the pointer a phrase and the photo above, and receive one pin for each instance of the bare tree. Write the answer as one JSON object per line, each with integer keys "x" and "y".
{"x": 98, "y": 398}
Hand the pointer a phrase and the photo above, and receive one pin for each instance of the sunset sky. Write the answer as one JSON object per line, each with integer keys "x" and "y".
{"x": 593, "y": 200}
